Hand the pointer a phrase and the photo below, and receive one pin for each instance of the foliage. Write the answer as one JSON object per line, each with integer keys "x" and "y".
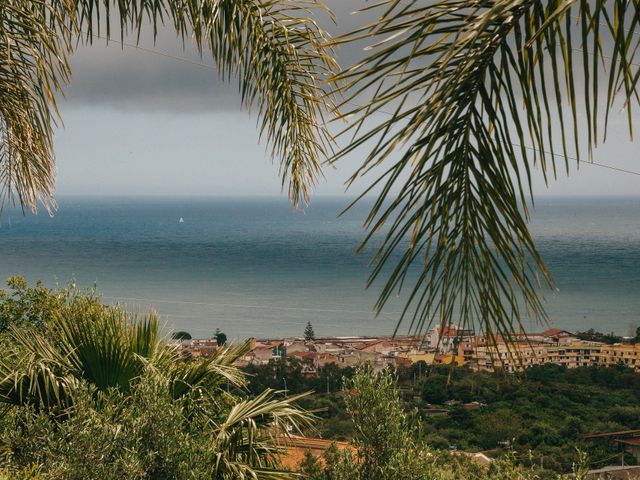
{"x": 97, "y": 393}
{"x": 388, "y": 445}
{"x": 311, "y": 467}
{"x": 541, "y": 415}
{"x": 221, "y": 338}
{"x": 380, "y": 424}
{"x": 24, "y": 305}
{"x": 309, "y": 334}
{"x": 181, "y": 335}
{"x": 456, "y": 104}
{"x": 592, "y": 336}
{"x": 546, "y": 410}
{"x": 274, "y": 48}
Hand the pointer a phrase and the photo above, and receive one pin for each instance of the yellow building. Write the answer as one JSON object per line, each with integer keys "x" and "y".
{"x": 574, "y": 354}
{"x": 513, "y": 357}
{"x": 621, "y": 354}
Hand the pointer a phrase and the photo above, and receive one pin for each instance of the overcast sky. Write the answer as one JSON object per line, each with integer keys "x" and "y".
{"x": 142, "y": 123}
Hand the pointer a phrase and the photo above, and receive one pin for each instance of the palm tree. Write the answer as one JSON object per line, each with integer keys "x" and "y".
{"x": 462, "y": 101}
{"x": 88, "y": 344}
{"x": 274, "y": 48}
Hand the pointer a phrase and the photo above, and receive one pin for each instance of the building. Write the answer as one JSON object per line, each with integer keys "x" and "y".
{"x": 445, "y": 339}
{"x": 508, "y": 356}
{"x": 621, "y": 354}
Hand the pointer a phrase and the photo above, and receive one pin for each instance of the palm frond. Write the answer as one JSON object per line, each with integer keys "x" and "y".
{"x": 274, "y": 47}
{"x": 34, "y": 46}
{"x": 106, "y": 347}
{"x": 208, "y": 373}
{"x": 462, "y": 101}
{"x": 246, "y": 437}
{"x": 34, "y": 372}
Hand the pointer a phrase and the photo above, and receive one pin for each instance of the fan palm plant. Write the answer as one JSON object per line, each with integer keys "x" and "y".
{"x": 90, "y": 347}
{"x": 463, "y": 101}
{"x": 274, "y": 48}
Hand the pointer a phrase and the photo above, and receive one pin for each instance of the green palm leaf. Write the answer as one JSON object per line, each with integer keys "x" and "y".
{"x": 243, "y": 440}
{"x": 274, "y": 47}
{"x": 461, "y": 102}
{"x": 104, "y": 345}
{"x": 209, "y": 373}
{"x": 34, "y": 372}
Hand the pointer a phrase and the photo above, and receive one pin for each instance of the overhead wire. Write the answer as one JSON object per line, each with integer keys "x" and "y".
{"x": 213, "y": 67}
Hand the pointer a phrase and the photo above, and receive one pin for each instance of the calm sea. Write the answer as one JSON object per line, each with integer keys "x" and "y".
{"x": 255, "y": 267}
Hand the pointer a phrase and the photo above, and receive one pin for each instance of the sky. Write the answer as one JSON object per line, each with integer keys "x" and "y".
{"x": 138, "y": 123}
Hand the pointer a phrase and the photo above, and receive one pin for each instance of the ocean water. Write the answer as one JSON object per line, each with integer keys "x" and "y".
{"x": 254, "y": 267}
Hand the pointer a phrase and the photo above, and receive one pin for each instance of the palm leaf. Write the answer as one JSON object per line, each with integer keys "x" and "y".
{"x": 208, "y": 373}
{"x": 458, "y": 103}
{"x": 34, "y": 372}
{"x": 274, "y": 47}
{"x": 244, "y": 441}
{"x": 105, "y": 346}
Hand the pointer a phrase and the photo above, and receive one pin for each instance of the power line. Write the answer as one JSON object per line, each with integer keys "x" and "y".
{"x": 603, "y": 165}
{"x": 213, "y": 67}
{"x": 154, "y": 52}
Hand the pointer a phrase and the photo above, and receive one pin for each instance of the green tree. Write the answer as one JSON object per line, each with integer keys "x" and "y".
{"x": 309, "y": 334}
{"x": 181, "y": 335}
{"x": 97, "y": 380}
{"x": 24, "y": 305}
{"x": 381, "y": 429}
{"x": 221, "y": 338}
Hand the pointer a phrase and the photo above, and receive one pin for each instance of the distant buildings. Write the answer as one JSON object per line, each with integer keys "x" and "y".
{"x": 446, "y": 346}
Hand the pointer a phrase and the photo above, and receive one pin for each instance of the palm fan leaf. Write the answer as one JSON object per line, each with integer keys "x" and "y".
{"x": 461, "y": 102}
{"x": 105, "y": 346}
{"x": 244, "y": 437}
{"x": 34, "y": 372}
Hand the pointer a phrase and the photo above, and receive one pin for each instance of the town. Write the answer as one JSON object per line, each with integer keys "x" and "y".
{"x": 448, "y": 345}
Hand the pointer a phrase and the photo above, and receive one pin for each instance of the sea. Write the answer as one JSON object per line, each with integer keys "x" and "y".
{"x": 255, "y": 267}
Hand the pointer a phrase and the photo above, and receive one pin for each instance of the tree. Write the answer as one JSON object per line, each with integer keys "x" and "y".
{"x": 311, "y": 467}
{"x": 221, "y": 338}
{"x": 380, "y": 425}
{"x": 461, "y": 102}
{"x": 97, "y": 380}
{"x": 24, "y": 305}
{"x": 274, "y": 48}
{"x": 309, "y": 335}
{"x": 181, "y": 335}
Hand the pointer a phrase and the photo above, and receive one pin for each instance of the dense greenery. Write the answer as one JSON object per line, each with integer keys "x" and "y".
{"x": 539, "y": 416}
{"x": 91, "y": 392}
{"x": 24, "y": 305}
{"x": 388, "y": 443}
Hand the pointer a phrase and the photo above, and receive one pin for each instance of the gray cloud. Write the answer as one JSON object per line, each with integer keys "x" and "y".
{"x": 130, "y": 79}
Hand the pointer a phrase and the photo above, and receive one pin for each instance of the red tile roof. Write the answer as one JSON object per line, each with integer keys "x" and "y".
{"x": 628, "y": 441}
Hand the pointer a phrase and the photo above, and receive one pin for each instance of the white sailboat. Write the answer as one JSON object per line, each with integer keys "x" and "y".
{"x": 181, "y": 220}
